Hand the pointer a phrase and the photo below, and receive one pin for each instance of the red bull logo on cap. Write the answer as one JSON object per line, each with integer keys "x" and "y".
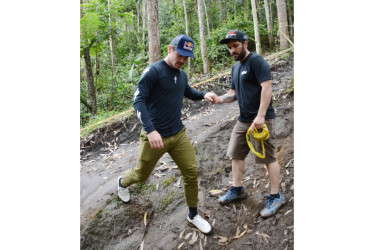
{"x": 231, "y": 34}
{"x": 188, "y": 46}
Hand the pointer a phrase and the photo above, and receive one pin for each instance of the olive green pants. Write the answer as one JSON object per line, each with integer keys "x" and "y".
{"x": 181, "y": 151}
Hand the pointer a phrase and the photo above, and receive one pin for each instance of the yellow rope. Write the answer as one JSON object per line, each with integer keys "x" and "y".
{"x": 261, "y": 137}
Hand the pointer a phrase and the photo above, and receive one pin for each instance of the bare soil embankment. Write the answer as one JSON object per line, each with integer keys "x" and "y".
{"x": 155, "y": 218}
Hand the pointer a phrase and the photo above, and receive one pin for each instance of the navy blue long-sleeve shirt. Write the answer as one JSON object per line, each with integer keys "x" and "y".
{"x": 158, "y": 98}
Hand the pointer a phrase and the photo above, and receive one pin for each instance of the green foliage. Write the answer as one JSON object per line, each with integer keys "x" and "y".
{"x": 114, "y": 92}
{"x": 89, "y": 25}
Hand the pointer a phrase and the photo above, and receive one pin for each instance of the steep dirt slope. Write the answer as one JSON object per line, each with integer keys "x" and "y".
{"x": 155, "y": 218}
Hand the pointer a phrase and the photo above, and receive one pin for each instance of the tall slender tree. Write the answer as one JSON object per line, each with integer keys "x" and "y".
{"x": 269, "y": 24}
{"x": 255, "y": 25}
{"x": 207, "y": 18}
{"x": 153, "y": 33}
{"x": 144, "y": 20}
{"x": 202, "y": 36}
{"x": 245, "y": 9}
{"x": 112, "y": 58}
{"x": 91, "y": 92}
{"x": 283, "y": 25}
{"x": 290, "y": 23}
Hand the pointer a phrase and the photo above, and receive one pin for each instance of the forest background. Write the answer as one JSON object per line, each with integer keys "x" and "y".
{"x": 41, "y": 112}
{"x": 119, "y": 38}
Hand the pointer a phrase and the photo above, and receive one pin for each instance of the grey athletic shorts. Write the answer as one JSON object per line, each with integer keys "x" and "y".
{"x": 239, "y": 149}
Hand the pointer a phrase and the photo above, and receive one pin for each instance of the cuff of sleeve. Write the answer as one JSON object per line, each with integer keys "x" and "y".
{"x": 203, "y": 94}
{"x": 150, "y": 129}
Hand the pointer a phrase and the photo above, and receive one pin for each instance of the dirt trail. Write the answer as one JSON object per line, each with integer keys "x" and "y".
{"x": 108, "y": 223}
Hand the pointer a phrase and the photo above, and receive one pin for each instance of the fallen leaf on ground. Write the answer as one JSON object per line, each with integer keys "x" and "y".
{"x": 194, "y": 238}
{"x": 234, "y": 208}
{"x": 181, "y": 234}
{"x": 201, "y": 246}
{"x": 178, "y": 183}
{"x": 292, "y": 187}
{"x": 215, "y": 191}
{"x": 264, "y": 236}
{"x": 181, "y": 245}
{"x": 142, "y": 245}
{"x": 247, "y": 178}
{"x": 214, "y": 221}
{"x": 145, "y": 219}
{"x": 245, "y": 209}
{"x": 289, "y": 211}
{"x": 187, "y": 236}
{"x": 222, "y": 239}
{"x": 158, "y": 175}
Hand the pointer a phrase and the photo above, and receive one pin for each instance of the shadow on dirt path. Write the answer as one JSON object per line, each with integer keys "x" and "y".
{"x": 155, "y": 218}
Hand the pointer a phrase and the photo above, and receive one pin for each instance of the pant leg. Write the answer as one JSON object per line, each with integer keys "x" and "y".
{"x": 147, "y": 160}
{"x": 183, "y": 154}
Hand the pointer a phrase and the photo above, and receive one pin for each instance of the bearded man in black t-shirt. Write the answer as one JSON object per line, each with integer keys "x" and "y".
{"x": 251, "y": 87}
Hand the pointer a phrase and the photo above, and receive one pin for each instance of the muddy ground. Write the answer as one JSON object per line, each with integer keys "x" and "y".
{"x": 155, "y": 218}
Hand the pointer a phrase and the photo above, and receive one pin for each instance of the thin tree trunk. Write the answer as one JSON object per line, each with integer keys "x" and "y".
{"x": 270, "y": 28}
{"x": 112, "y": 58}
{"x": 258, "y": 8}
{"x": 271, "y": 13}
{"x": 186, "y": 23}
{"x": 144, "y": 17}
{"x": 245, "y": 9}
{"x": 223, "y": 9}
{"x": 255, "y": 24}
{"x": 153, "y": 33}
{"x": 202, "y": 36}
{"x": 283, "y": 25}
{"x": 290, "y": 23}
{"x": 207, "y": 18}
{"x": 89, "y": 80}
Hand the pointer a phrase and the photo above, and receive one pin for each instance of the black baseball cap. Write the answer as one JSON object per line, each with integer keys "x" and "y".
{"x": 233, "y": 35}
{"x": 184, "y": 45}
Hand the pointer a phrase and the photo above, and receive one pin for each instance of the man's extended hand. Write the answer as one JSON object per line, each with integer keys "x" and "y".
{"x": 155, "y": 140}
{"x": 211, "y": 96}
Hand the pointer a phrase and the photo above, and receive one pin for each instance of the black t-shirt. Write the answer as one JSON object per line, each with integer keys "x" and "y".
{"x": 246, "y": 78}
{"x": 158, "y": 98}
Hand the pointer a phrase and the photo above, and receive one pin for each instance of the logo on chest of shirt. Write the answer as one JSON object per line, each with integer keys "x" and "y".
{"x": 175, "y": 79}
{"x": 244, "y": 72}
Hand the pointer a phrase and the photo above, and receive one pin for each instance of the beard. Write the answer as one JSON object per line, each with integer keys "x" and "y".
{"x": 240, "y": 56}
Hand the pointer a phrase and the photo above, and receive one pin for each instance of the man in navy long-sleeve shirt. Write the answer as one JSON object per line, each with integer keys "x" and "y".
{"x": 157, "y": 101}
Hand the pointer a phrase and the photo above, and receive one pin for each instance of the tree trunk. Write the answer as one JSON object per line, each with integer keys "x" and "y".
{"x": 207, "y": 18}
{"x": 186, "y": 23}
{"x": 283, "y": 25}
{"x": 112, "y": 59}
{"x": 245, "y": 9}
{"x": 258, "y": 8}
{"x": 202, "y": 36}
{"x": 269, "y": 25}
{"x": 89, "y": 80}
{"x": 255, "y": 24}
{"x": 290, "y": 19}
{"x": 223, "y": 9}
{"x": 153, "y": 33}
{"x": 144, "y": 19}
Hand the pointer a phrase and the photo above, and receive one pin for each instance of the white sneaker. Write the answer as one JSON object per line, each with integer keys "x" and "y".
{"x": 123, "y": 193}
{"x": 200, "y": 223}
